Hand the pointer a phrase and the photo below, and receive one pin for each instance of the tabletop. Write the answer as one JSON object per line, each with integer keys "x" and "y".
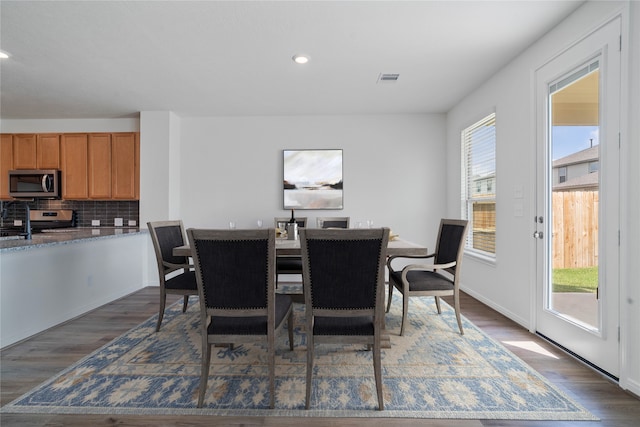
{"x": 396, "y": 246}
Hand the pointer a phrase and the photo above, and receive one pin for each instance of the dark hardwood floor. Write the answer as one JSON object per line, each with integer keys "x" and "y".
{"x": 27, "y": 364}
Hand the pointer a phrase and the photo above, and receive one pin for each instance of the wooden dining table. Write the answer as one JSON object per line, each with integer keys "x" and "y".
{"x": 396, "y": 246}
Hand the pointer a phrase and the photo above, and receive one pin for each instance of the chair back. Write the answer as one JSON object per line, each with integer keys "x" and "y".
{"x": 344, "y": 270}
{"x": 333, "y": 222}
{"x": 235, "y": 270}
{"x": 165, "y": 236}
{"x": 450, "y": 245}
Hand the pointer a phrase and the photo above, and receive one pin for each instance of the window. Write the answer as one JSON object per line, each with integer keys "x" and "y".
{"x": 479, "y": 185}
{"x": 593, "y": 166}
{"x": 562, "y": 174}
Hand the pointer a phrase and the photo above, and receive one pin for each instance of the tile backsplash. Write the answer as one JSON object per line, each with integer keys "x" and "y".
{"x": 87, "y": 211}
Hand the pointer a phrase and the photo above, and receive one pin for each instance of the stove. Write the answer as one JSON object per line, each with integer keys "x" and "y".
{"x": 43, "y": 220}
{"x": 52, "y": 219}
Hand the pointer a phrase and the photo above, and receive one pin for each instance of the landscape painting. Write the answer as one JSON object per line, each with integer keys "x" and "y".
{"x": 312, "y": 179}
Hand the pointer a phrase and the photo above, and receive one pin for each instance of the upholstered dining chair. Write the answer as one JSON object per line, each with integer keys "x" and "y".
{"x": 332, "y": 222}
{"x": 344, "y": 292}
{"x": 235, "y": 271}
{"x": 175, "y": 273}
{"x": 440, "y": 278}
{"x": 289, "y": 264}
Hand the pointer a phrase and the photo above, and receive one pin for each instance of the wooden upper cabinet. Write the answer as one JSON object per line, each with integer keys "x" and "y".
{"x": 99, "y": 169}
{"x": 74, "y": 166}
{"x": 48, "y": 151}
{"x": 125, "y": 168}
{"x": 24, "y": 151}
{"x": 6, "y": 163}
{"x": 36, "y": 151}
{"x": 94, "y": 166}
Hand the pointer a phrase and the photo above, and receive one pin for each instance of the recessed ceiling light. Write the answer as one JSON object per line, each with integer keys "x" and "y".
{"x": 3, "y": 55}
{"x": 300, "y": 59}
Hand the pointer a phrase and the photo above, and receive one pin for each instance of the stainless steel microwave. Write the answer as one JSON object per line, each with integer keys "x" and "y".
{"x": 36, "y": 184}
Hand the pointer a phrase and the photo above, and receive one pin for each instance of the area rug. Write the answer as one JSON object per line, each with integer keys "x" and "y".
{"x": 431, "y": 372}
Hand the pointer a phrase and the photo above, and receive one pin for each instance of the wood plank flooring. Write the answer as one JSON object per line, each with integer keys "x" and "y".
{"x": 27, "y": 364}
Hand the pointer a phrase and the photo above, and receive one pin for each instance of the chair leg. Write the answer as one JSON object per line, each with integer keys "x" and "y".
{"x": 405, "y": 310}
{"x": 204, "y": 373}
{"x": 290, "y": 328}
{"x": 457, "y": 308}
{"x": 390, "y": 295}
{"x": 163, "y": 302}
{"x": 272, "y": 369}
{"x": 377, "y": 372}
{"x": 438, "y": 305}
{"x": 185, "y": 303}
{"x": 310, "y": 346}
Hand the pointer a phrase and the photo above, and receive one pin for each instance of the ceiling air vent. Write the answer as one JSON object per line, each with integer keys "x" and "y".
{"x": 386, "y": 78}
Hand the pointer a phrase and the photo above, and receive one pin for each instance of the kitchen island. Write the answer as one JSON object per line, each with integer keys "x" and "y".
{"x": 57, "y": 276}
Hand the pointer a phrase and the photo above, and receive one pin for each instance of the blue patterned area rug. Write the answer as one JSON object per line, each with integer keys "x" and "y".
{"x": 432, "y": 372}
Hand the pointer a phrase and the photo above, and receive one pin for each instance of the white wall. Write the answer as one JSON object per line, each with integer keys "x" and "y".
{"x": 69, "y": 125}
{"x": 506, "y": 286}
{"x": 231, "y": 168}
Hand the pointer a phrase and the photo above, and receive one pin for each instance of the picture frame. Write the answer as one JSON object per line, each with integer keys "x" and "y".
{"x": 313, "y": 179}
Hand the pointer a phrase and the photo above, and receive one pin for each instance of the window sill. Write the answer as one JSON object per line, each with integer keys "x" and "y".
{"x": 481, "y": 257}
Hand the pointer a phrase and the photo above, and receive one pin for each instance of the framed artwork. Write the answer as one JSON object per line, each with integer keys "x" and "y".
{"x": 312, "y": 179}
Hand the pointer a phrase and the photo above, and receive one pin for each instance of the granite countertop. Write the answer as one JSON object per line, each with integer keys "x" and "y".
{"x": 65, "y": 236}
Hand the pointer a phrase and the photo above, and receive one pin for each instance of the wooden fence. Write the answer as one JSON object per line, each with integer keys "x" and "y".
{"x": 575, "y": 229}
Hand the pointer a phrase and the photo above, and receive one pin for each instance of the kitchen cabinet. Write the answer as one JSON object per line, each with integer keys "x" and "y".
{"x": 99, "y": 167}
{"x": 24, "y": 151}
{"x": 74, "y": 166}
{"x": 36, "y": 151}
{"x": 125, "y": 166}
{"x": 48, "y": 151}
{"x": 6, "y": 164}
{"x": 94, "y": 166}
{"x": 114, "y": 166}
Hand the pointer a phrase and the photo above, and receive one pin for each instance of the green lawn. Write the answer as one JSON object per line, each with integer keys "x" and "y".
{"x": 575, "y": 279}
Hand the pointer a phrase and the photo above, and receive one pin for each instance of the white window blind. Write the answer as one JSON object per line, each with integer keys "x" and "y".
{"x": 479, "y": 185}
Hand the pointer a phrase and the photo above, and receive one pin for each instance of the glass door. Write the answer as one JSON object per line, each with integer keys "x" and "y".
{"x": 577, "y": 198}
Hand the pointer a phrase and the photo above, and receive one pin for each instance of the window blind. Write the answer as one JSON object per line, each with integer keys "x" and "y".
{"x": 479, "y": 184}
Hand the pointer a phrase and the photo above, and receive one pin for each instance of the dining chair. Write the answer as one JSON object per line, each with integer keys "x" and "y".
{"x": 289, "y": 264}
{"x": 332, "y": 222}
{"x": 175, "y": 273}
{"x": 344, "y": 292}
{"x": 440, "y": 278}
{"x": 235, "y": 272}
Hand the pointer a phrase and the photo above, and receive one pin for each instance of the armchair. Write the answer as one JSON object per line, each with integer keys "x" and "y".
{"x": 438, "y": 279}
{"x": 175, "y": 272}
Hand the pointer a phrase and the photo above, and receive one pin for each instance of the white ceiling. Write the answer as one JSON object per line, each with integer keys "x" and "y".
{"x": 107, "y": 59}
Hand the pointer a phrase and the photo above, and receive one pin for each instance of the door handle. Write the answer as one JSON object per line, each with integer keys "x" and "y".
{"x": 538, "y": 234}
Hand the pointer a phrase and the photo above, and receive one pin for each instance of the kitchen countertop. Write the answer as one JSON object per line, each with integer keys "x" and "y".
{"x": 65, "y": 236}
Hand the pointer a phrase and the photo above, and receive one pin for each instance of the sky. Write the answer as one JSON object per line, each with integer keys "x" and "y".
{"x": 571, "y": 139}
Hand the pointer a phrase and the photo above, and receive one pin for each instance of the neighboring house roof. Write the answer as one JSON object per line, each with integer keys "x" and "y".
{"x": 586, "y": 155}
{"x": 588, "y": 181}
{"x": 483, "y": 177}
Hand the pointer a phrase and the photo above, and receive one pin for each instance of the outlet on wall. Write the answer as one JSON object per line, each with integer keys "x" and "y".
{"x": 117, "y": 222}
{"x": 95, "y": 223}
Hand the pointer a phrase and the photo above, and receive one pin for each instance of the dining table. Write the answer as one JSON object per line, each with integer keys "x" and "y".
{"x": 396, "y": 246}
{"x": 284, "y": 246}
